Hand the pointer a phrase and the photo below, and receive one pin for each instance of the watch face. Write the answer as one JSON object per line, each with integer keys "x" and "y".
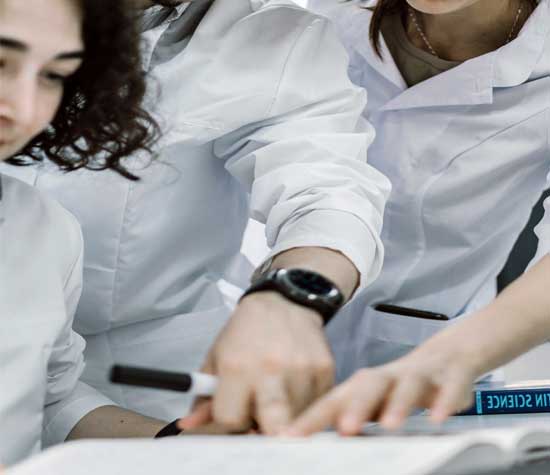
{"x": 310, "y": 282}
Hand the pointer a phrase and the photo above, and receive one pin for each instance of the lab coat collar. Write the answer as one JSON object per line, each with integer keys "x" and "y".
{"x": 467, "y": 84}
{"x": 155, "y": 21}
{"x": 176, "y": 11}
{"x": 158, "y": 11}
{"x": 354, "y": 21}
{"x": 470, "y": 83}
{"x": 517, "y": 60}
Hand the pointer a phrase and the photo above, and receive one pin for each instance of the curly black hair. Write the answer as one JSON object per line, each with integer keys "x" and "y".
{"x": 100, "y": 120}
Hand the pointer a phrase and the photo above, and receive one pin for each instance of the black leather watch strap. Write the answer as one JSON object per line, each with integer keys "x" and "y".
{"x": 169, "y": 430}
{"x": 270, "y": 281}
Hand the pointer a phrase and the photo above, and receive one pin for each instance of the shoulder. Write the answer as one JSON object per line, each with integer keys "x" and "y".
{"x": 248, "y": 50}
{"x": 40, "y": 224}
{"x": 248, "y": 61}
{"x": 295, "y": 13}
{"x": 269, "y": 32}
{"x": 338, "y": 9}
{"x": 265, "y": 25}
{"x": 351, "y": 18}
{"x": 273, "y": 24}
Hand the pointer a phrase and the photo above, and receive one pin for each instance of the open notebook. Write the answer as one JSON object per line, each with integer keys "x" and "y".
{"x": 445, "y": 453}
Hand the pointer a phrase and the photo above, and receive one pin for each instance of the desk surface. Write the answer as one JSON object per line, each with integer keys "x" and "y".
{"x": 147, "y": 458}
{"x": 253, "y": 454}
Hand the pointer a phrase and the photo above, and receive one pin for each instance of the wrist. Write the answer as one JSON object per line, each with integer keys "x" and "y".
{"x": 301, "y": 287}
{"x": 452, "y": 352}
{"x": 270, "y": 299}
{"x": 331, "y": 264}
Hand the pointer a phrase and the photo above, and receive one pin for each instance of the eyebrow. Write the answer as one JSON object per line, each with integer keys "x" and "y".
{"x": 13, "y": 44}
{"x": 22, "y": 47}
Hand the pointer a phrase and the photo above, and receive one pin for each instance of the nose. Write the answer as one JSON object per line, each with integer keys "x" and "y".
{"x": 17, "y": 104}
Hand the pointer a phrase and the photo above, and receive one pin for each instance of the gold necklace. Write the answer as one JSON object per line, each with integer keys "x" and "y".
{"x": 412, "y": 14}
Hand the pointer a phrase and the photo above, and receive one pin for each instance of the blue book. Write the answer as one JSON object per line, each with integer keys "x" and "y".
{"x": 520, "y": 398}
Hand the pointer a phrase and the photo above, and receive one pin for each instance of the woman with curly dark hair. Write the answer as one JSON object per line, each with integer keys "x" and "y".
{"x": 100, "y": 119}
{"x": 71, "y": 86}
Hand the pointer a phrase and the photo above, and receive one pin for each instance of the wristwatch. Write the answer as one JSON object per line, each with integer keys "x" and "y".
{"x": 304, "y": 287}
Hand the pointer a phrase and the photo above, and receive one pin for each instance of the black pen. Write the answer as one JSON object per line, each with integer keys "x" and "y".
{"x": 198, "y": 384}
{"x": 411, "y": 312}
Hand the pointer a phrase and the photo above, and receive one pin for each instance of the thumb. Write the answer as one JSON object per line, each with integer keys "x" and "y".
{"x": 201, "y": 412}
{"x": 209, "y": 365}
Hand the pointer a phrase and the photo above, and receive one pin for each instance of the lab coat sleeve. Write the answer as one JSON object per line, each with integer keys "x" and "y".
{"x": 67, "y": 399}
{"x": 543, "y": 230}
{"x": 305, "y": 164}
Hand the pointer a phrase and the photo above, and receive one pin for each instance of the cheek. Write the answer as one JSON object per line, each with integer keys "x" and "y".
{"x": 48, "y": 104}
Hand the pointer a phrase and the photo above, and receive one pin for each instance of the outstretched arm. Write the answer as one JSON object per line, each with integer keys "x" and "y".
{"x": 439, "y": 375}
{"x": 305, "y": 164}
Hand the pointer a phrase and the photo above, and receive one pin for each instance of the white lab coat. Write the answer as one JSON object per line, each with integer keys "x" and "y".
{"x": 258, "y": 102}
{"x": 468, "y": 155}
{"x": 40, "y": 282}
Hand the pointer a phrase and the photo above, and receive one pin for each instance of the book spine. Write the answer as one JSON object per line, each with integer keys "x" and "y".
{"x": 509, "y": 401}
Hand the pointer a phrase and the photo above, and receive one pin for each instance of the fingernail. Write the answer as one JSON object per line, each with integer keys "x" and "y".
{"x": 438, "y": 417}
{"x": 184, "y": 424}
{"x": 349, "y": 425}
{"x": 390, "y": 422}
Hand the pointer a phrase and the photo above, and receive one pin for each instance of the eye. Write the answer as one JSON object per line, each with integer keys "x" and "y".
{"x": 59, "y": 75}
{"x": 56, "y": 78}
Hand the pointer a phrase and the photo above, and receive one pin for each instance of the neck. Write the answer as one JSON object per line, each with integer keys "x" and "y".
{"x": 475, "y": 30}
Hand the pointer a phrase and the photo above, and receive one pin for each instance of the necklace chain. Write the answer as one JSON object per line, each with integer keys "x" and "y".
{"x": 412, "y": 14}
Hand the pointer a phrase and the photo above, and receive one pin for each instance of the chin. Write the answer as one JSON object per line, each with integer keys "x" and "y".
{"x": 440, "y": 7}
{"x": 8, "y": 150}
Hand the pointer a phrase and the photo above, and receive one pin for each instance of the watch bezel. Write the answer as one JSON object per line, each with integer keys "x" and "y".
{"x": 279, "y": 280}
{"x": 333, "y": 297}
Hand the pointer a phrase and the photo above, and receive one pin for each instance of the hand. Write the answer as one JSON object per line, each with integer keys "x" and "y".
{"x": 390, "y": 393}
{"x": 272, "y": 360}
{"x": 203, "y": 412}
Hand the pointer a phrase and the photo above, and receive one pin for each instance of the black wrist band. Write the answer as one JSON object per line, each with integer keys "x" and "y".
{"x": 302, "y": 287}
{"x": 169, "y": 431}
